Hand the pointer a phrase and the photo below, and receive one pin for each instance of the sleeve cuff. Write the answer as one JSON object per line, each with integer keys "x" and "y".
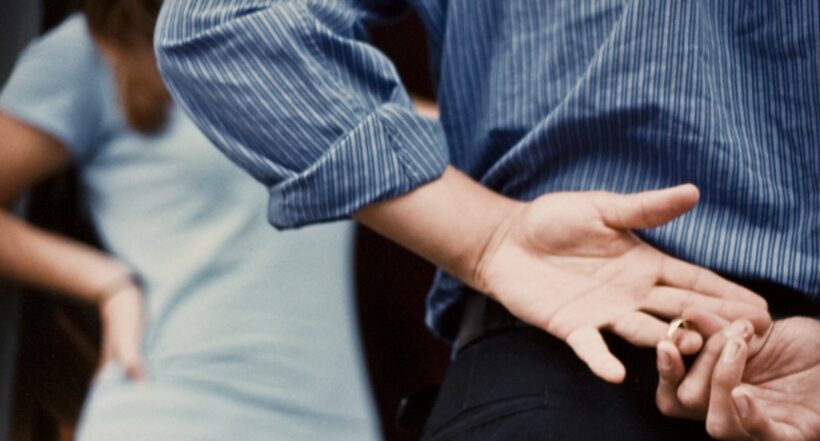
{"x": 388, "y": 154}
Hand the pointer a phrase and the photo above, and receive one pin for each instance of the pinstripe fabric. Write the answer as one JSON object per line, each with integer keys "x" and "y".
{"x": 536, "y": 96}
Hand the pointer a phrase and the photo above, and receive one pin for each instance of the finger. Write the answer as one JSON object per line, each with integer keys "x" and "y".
{"x": 644, "y": 330}
{"x": 104, "y": 356}
{"x": 130, "y": 355}
{"x": 706, "y": 323}
{"x": 671, "y": 371}
{"x": 722, "y": 420}
{"x": 688, "y": 342}
{"x": 756, "y": 421}
{"x": 672, "y": 302}
{"x": 123, "y": 330}
{"x": 646, "y": 209}
{"x": 132, "y": 363}
{"x": 107, "y": 351}
{"x": 682, "y": 274}
{"x": 694, "y": 390}
{"x": 123, "y": 348}
{"x": 591, "y": 348}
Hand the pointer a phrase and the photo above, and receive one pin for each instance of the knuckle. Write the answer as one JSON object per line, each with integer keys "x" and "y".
{"x": 715, "y": 344}
{"x": 628, "y": 327}
{"x": 666, "y": 405}
{"x": 689, "y": 398}
{"x": 722, "y": 378}
{"x": 718, "y": 428}
{"x": 697, "y": 278}
{"x": 687, "y": 302}
{"x": 725, "y": 309}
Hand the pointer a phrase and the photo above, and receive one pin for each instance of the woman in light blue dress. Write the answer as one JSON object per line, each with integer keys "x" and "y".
{"x": 249, "y": 333}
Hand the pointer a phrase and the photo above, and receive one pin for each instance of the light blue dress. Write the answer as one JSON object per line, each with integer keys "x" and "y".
{"x": 251, "y": 332}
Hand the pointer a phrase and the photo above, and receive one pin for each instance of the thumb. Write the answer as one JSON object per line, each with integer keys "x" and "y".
{"x": 756, "y": 421}
{"x": 648, "y": 209}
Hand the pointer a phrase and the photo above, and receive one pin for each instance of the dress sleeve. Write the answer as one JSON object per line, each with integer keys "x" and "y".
{"x": 292, "y": 92}
{"x": 54, "y": 87}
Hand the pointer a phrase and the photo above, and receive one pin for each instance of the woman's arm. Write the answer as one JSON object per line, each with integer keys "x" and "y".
{"x": 27, "y": 155}
{"x": 34, "y": 256}
{"x": 39, "y": 258}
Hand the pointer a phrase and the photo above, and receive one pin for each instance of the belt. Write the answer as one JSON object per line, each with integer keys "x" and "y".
{"x": 484, "y": 317}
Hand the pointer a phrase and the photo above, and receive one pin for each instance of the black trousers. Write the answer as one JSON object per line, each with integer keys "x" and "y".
{"x": 524, "y": 385}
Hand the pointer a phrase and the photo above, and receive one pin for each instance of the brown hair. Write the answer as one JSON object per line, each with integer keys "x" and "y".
{"x": 124, "y": 32}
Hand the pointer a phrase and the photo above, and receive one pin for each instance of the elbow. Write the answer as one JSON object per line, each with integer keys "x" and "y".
{"x": 188, "y": 38}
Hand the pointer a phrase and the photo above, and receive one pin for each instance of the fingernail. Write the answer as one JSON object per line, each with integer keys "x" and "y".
{"x": 730, "y": 353}
{"x": 736, "y": 329}
{"x": 742, "y": 403}
{"x": 748, "y": 330}
{"x": 664, "y": 360}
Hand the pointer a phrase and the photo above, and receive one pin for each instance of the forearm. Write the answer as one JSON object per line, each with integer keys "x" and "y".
{"x": 449, "y": 221}
{"x": 38, "y": 258}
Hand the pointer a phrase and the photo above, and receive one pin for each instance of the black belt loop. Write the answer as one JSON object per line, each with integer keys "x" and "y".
{"x": 483, "y": 317}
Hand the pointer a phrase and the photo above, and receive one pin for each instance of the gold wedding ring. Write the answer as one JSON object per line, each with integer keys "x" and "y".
{"x": 674, "y": 325}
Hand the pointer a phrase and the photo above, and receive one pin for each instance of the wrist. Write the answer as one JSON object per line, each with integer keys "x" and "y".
{"x": 481, "y": 273}
{"x": 121, "y": 280}
{"x": 478, "y": 219}
{"x": 451, "y": 222}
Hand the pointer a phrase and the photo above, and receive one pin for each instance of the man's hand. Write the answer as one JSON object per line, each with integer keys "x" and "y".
{"x": 568, "y": 263}
{"x": 122, "y": 319}
{"x": 747, "y": 387}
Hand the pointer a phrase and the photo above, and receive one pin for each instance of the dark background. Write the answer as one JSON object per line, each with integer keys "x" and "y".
{"x": 59, "y": 339}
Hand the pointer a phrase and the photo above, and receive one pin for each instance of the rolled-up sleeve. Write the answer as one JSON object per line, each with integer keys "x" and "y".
{"x": 291, "y": 91}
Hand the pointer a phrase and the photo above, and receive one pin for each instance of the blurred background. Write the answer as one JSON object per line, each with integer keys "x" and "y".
{"x": 49, "y": 344}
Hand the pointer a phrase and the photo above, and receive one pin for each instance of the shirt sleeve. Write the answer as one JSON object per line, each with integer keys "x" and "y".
{"x": 54, "y": 87}
{"x": 291, "y": 91}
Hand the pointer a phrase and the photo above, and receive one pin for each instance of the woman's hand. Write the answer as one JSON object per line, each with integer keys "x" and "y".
{"x": 568, "y": 263}
{"x": 746, "y": 387}
{"x": 40, "y": 258}
{"x": 122, "y": 318}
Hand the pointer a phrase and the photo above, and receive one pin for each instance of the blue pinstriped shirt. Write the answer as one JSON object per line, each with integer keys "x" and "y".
{"x": 536, "y": 96}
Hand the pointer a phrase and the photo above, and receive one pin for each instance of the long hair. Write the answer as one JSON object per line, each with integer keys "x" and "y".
{"x": 124, "y": 29}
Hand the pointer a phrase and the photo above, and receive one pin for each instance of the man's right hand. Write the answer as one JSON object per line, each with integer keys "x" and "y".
{"x": 744, "y": 387}
{"x": 568, "y": 263}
